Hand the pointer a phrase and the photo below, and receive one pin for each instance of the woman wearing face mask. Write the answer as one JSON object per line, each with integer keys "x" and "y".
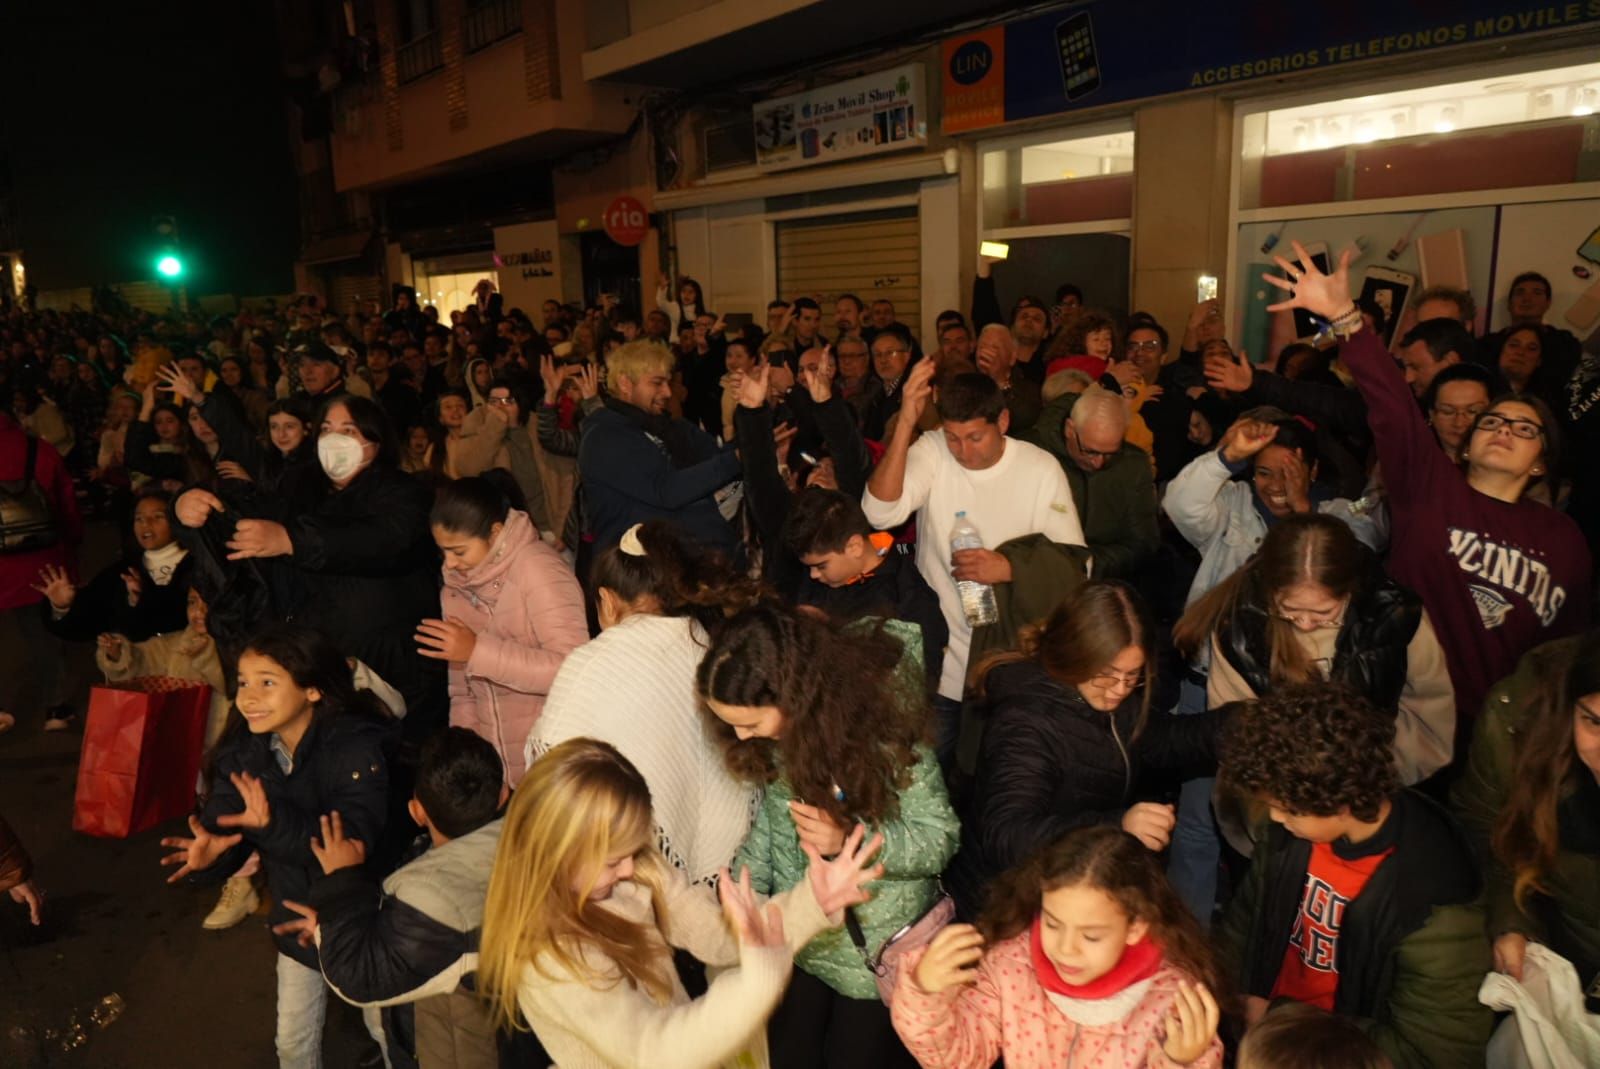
{"x": 1076, "y": 694}
{"x": 348, "y": 552}
{"x": 511, "y": 611}
{"x": 1313, "y": 604}
{"x": 1498, "y": 573}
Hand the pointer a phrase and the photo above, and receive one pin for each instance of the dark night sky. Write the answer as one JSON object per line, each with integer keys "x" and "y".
{"x": 121, "y": 112}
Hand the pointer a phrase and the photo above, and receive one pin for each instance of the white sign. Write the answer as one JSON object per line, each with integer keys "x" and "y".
{"x": 528, "y": 258}
{"x": 882, "y": 112}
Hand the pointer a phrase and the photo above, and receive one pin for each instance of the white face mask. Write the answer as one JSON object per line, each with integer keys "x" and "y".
{"x": 341, "y": 455}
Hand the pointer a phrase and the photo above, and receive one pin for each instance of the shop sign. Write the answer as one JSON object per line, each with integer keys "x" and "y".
{"x": 626, "y": 221}
{"x": 882, "y": 112}
{"x": 535, "y": 263}
{"x": 1109, "y": 51}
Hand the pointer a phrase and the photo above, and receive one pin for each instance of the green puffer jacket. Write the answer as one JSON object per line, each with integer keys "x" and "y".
{"x": 1567, "y": 918}
{"x": 1116, "y": 505}
{"x": 916, "y": 847}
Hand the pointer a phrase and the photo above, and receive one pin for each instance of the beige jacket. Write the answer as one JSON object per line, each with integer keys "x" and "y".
{"x": 585, "y": 1024}
{"x": 181, "y": 655}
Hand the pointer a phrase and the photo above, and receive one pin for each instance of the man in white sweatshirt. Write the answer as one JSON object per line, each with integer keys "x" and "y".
{"x": 1007, "y": 488}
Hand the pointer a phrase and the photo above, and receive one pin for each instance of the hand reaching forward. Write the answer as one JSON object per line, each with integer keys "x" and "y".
{"x": 200, "y": 852}
{"x": 257, "y": 812}
{"x": 755, "y": 924}
{"x": 304, "y": 930}
{"x": 56, "y": 585}
{"x": 1323, "y": 295}
{"x": 750, "y": 387}
{"x": 842, "y": 881}
{"x": 333, "y": 851}
{"x": 1233, "y": 374}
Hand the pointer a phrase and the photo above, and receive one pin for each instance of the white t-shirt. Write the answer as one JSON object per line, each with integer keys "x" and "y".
{"x": 1025, "y": 493}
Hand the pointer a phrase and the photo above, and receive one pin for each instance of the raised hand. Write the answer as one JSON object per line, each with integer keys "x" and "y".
{"x": 1296, "y": 481}
{"x": 257, "y": 812}
{"x": 56, "y": 585}
{"x": 1323, "y": 295}
{"x": 588, "y": 378}
{"x": 750, "y": 387}
{"x": 951, "y": 959}
{"x": 1245, "y": 439}
{"x": 200, "y": 852}
{"x": 553, "y": 378}
{"x": 816, "y": 828}
{"x": 915, "y": 394}
{"x": 819, "y": 383}
{"x": 756, "y": 926}
{"x": 333, "y": 851}
{"x": 304, "y": 930}
{"x": 1192, "y": 1025}
{"x": 1233, "y": 374}
{"x": 113, "y": 645}
{"x": 1203, "y": 311}
{"x": 174, "y": 381}
{"x": 134, "y": 585}
{"x": 842, "y": 881}
{"x": 446, "y": 640}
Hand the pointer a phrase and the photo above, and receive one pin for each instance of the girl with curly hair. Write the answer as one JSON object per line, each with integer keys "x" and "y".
{"x": 1085, "y": 955}
{"x": 1530, "y": 798}
{"x": 583, "y": 913}
{"x": 833, "y": 722}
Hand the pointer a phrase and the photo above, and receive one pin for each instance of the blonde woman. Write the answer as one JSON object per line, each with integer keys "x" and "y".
{"x": 583, "y": 913}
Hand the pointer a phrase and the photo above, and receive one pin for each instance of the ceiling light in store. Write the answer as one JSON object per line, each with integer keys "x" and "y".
{"x": 1446, "y": 121}
{"x": 1366, "y": 132}
{"x": 1585, "y": 102}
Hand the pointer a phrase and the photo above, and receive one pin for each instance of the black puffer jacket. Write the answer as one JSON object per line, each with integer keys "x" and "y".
{"x": 895, "y": 590}
{"x": 1051, "y": 762}
{"x": 339, "y": 764}
{"x": 102, "y": 605}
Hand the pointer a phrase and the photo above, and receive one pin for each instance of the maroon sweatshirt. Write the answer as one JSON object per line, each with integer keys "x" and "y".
{"x": 1497, "y": 579}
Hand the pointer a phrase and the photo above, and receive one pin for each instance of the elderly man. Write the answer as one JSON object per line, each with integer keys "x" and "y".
{"x": 997, "y": 358}
{"x": 1112, "y": 484}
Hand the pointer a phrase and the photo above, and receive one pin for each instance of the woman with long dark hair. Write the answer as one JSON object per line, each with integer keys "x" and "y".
{"x": 1530, "y": 798}
{"x": 833, "y": 723}
{"x": 1313, "y": 604}
{"x": 1077, "y": 695}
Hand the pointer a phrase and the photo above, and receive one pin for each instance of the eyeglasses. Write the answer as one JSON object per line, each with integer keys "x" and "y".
{"x": 1108, "y": 679}
{"x": 1314, "y": 619}
{"x": 1522, "y": 428}
{"x": 1452, "y": 411}
{"x": 890, "y": 352}
{"x": 502, "y": 400}
{"x": 1152, "y": 346}
{"x": 1092, "y": 454}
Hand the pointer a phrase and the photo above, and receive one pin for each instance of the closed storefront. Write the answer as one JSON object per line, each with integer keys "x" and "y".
{"x": 875, "y": 255}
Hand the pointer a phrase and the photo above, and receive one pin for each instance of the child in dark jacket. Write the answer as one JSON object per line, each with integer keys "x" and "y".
{"x": 301, "y": 742}
{"x": 1362, "y": 899}
{"x": 408, "y": 945}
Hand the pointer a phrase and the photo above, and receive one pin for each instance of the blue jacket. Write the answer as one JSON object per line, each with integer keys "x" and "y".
{"x": 628, "y": 478}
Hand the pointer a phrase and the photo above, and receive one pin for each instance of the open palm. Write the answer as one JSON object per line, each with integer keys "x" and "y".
{"x": 842, "y": 881}
{"x": 1324, "y": 295}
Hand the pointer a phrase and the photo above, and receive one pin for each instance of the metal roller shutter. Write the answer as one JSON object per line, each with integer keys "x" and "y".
{"x": 873, "y": 255}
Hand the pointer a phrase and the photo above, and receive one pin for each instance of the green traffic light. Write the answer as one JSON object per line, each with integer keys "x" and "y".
{"x": 170, "y": 266}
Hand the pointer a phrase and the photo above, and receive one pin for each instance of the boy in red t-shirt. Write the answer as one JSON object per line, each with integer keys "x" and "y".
{"x": 1362, "y": 899}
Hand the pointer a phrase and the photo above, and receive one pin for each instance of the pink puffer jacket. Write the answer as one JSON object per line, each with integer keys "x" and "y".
{"x": 1006, "y": 1012}
{"x": 524, "y": 604}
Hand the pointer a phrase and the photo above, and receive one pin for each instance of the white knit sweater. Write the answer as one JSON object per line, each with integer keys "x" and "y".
{"x": 634, "y": 688}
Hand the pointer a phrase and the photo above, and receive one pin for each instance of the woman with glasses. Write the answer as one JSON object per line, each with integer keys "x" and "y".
{"x": 1499, "y": 573}
{"x": 1314, "y": 605}
{"x": 1068, "y": 732}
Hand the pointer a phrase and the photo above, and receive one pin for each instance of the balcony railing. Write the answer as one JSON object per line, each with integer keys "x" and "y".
{"x": 418, "y": 58}
{"x": 488, "y": 21}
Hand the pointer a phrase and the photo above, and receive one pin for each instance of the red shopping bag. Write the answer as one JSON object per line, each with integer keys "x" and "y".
{"x": 141, "y": 753}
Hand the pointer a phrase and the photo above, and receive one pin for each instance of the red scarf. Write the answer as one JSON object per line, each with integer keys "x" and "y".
{"x": 1139, "y": 961}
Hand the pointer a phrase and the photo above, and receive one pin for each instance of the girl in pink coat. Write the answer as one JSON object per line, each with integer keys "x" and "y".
{"x": 1085, "y": 959}
{"x": 512, "y": 611}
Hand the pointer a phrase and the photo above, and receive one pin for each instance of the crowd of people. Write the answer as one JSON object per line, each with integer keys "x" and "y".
{"x": 682, "y": 690}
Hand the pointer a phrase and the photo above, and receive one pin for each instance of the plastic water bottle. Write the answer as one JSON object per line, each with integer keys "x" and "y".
{"x": 977, "y": 599}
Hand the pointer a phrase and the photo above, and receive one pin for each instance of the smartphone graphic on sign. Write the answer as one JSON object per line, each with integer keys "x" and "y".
{"x": 1306, "y": 325}
{"x": 1080, "y": 62}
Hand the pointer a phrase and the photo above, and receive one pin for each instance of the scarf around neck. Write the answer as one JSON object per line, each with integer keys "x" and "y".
{"x": 162, "y": 563}
{"x": 673, "y": 434}
{"x": 1139, "y": 962}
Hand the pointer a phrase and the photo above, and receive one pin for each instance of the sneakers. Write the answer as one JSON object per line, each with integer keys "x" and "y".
{"x": 59, "y": 718}
{"x": 238, "y": 901}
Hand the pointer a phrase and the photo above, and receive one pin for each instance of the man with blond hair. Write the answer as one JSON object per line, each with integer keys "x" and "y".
{"x": 637, "y": 463}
